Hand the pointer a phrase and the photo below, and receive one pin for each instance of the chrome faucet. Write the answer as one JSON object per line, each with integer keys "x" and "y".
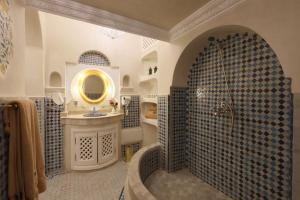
{"x": 222, "y": 108}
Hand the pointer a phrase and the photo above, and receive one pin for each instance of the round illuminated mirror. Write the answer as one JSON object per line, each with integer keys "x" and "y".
{"x": 93, "y": 86}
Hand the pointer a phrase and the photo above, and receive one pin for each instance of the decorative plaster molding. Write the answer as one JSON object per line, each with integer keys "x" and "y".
{"x": 202, "y": 15}
{"x": 104, "y": 18}
{"x": 93, "y": 15}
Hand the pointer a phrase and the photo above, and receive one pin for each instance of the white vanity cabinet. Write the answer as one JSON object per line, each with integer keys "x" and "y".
{"x": 93, "y": 147}
{"x": 84, "y": 149}
{"x": 91, "y": 143}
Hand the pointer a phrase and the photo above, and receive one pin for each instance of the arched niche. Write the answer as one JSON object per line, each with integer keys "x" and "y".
{"x": 93, "y": 57}
{"x": 55, "y": 80}
{"x": 191, "y": 51}
{"x": 126, "y": 81}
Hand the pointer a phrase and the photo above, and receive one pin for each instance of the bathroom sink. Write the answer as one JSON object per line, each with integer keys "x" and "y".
{"x": 95, "y": 114}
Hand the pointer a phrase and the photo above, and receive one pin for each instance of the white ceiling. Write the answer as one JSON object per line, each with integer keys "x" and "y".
{"x": 163, "y": 14}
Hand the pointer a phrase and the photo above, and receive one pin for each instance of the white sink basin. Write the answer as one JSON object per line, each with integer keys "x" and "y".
{"x": 95, "y": 114}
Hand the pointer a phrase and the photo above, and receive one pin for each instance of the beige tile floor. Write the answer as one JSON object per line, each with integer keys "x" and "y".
{"x": 181, "y": 185}
{"x": 103, "y": 184}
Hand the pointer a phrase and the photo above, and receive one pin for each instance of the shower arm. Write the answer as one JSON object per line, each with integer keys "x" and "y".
{"x": 224, "y": 107}
{"x": 221, "y": 55}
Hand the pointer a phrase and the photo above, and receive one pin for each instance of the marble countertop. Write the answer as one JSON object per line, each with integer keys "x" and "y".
{"x": 81, "y": 120}
{"x": 81, "y": 116}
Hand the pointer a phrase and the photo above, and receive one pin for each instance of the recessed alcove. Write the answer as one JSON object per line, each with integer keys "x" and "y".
{"x": 55, "y": 80}
{"x": 126, "y": 81}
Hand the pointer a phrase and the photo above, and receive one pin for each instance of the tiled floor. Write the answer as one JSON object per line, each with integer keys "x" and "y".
{"x": 181, "y": 185}
{"x": 103, "y": 184}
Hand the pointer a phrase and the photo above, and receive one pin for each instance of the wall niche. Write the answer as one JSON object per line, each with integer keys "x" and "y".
{"x": 126, "y": 81}
{"x": 55, "y": 80}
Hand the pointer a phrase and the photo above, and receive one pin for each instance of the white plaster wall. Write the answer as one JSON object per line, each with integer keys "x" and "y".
{"x": 276, "y": 21}
{"x": 127, "y": 56}
{"x": 34, "y": 65}
{"x": 66, "y": 39}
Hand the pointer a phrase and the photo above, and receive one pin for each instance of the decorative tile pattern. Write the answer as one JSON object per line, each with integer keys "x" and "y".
{"x": 254, "y": 160}
{"x": 149, "y": 163}
{"x": 296, "y": 146}
{"x": 133, "y": 117}
{"x": 177, "y": 129}
{"x": 135, "y": 148}
{"x": 3, "y": 160}
{"x": 94, "y": 58}
{"x": 54, "y": 138}
{"x": 40, "y": 107}
{"x": 163, "y": 121}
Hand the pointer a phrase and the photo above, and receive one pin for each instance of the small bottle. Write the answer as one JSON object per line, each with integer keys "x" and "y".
{"x": 150, "y": 71}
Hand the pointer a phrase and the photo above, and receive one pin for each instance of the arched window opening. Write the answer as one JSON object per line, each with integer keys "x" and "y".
{"x": 94, "y": 58}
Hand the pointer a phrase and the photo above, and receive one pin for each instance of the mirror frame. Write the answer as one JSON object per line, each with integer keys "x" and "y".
{"x": 84, "y": 76}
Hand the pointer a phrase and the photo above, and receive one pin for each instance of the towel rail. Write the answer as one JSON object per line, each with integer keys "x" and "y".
{"x": 9, "y": 106}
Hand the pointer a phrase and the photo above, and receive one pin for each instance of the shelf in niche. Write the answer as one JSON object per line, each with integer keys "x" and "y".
{"x": 152, "y": 122}
{"x": 146, "y": 99}
{"x": 127, "y": 89}
{"x": 54, "y": 89}
{"x": 149, "y": 55}
{"x": 146, "y": 78}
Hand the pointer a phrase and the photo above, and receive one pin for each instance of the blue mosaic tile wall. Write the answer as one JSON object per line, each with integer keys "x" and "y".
{"x": 133, "y": 117}
{"x": 40, "y": 107}
{"x": 177, "y": 129}
{"x": 163, "y": 128}
{"x": 149, "y": 163}
{"x": 254, "y": 160}
{"x": 54, "y": 138}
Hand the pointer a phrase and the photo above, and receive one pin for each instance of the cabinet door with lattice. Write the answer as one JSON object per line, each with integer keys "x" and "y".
{"x": 85, "y": 148}
{"x": 107, "y": 144}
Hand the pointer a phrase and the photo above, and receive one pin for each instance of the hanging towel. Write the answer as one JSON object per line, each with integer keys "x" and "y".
{"x": 26, "y": 168}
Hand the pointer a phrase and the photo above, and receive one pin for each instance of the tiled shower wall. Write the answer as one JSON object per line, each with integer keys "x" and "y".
{"x": 296, "y": 147}
{"x": 178, "y": 137}
{"x": 163, "y": 128}
{"x": 254, "y": 160}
